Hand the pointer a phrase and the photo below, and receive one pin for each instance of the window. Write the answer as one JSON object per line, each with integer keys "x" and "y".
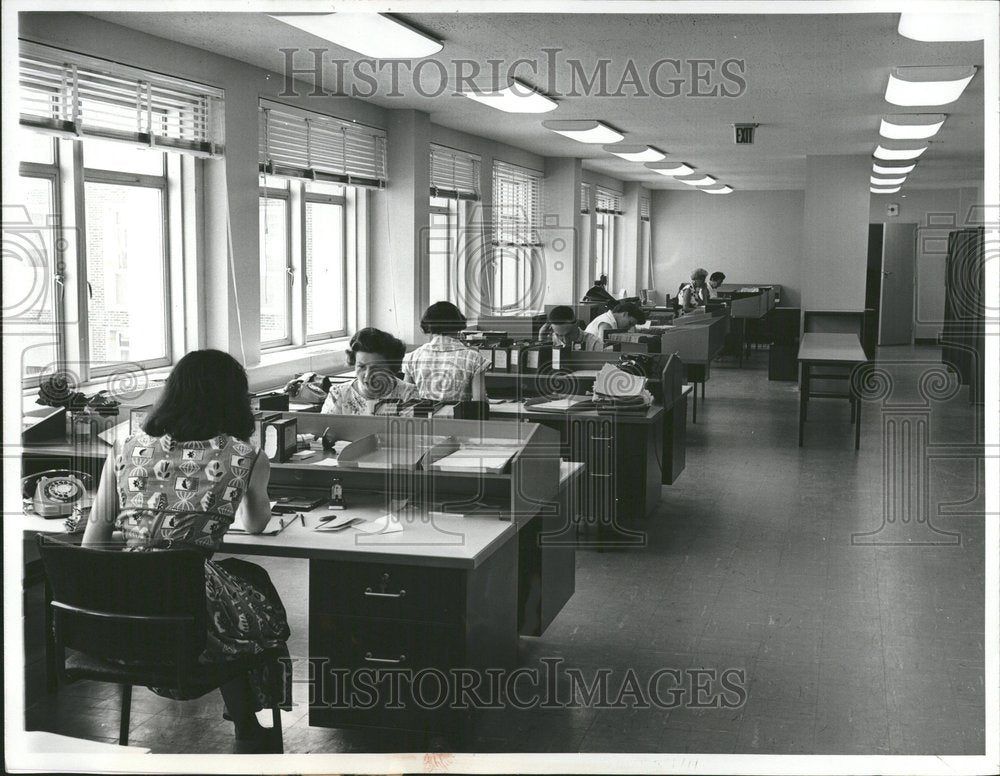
{"x": 607, "y": 209}
{"x": 103, "y": 190}
{"x": 314, "y": 172}
{"x": 516, "y": 217}
{"x": 454, "y": 177}
{"x": 442, "y": 251}
{"x": 645, "y": 249}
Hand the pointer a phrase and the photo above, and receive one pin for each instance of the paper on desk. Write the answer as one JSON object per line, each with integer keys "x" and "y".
{"x": 340, "y": 445}
{"x": 327, "y": 462}
{"x": 338, "y": 522}
{"x": 383, "y": 525}
{"x": 612, "y": 381}
{"x": 111, "y": 435}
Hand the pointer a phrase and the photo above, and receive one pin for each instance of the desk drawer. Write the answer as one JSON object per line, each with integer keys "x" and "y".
{"x": 388, "y": 591}
{"x": 360, "y": 642}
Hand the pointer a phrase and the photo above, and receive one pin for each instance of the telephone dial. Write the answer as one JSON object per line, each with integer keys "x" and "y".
{"x": 56, "y": 492}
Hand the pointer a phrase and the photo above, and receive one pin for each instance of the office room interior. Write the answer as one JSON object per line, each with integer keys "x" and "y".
{"x": 565, "y": 380}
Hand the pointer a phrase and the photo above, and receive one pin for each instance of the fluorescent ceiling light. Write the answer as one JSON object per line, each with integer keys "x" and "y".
{"x": 914, "y": 126}
{"x": 873, "y": 190}
{"x": 585, "y": 131}
{"x": 910, "y": 86}
{"x": 670, "y": 168}
{"x": 515, "y": 98}
{"x": 886, "y": 181}
{"x": 896, "y": 154}
{"x": 372, "y": 34}
{"x": 723, "y": 190}
{"x": 943, "y": 27}
{"x": 708, "y": 180}
{"x": 636, "y": 153}
{"x": 883, "y": 170}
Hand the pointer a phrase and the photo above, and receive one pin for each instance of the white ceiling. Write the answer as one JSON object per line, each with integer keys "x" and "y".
{"x": 814, "y": 83}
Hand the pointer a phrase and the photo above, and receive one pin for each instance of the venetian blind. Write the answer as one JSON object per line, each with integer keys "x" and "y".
{"x": 608, "y": 201}
{"x": 454, "y": 174}
{"x": 517, "y": 203}
{"x": 585, "y": 198}
{"x": 69, "y": 94}
{"x": 644, "y": 209}
{"x": 302, "y": 144}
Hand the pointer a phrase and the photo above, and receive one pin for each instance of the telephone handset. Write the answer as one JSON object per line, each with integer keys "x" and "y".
{"x": 55, "y": 493}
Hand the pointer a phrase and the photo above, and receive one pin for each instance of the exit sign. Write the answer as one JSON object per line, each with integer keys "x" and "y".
{"x": 744, "y": 133}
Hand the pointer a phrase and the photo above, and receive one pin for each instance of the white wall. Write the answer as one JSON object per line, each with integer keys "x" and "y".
{"x": 936, "y": 212}
{"x": 752, "y": 236}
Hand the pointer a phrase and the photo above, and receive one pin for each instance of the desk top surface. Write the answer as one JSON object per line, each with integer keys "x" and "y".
{"x": 516, "y": 409}
{"x": 449, "y": 541}
{"x": 831, "y": 347}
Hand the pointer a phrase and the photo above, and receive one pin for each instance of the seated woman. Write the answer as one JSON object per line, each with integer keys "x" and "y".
{"x": 180, "y": 483}
{"x": 715, "y": 280}
{"x": 566, "y": 331}
{"x": 375, "y": 356}
{"x": 444, "y": 369}
{"x": 694, "y": 294}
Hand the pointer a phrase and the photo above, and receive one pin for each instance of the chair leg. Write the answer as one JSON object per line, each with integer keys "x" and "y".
{"x": 126, "y": 714}
{"x": 276, "y": 729}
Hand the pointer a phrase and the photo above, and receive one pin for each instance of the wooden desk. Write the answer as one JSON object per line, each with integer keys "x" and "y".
{"x": 818, "y": 350}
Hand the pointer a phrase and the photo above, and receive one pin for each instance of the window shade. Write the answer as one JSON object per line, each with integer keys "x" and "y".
{"x": 69, "y": 94}
{"x": 302, "y": 144}
{"x": 585, "y": 198}
{"x": 454, "y": 174}
{"x": 517, "y": 203}
{"x": 608, "y": 201}
{"x": 644, "y": 209}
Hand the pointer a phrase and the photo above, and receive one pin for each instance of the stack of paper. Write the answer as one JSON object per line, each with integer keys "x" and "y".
{"x": 612, "y": 381}
{"x": 476, "y": 458}
{"x": 560, "y": 405}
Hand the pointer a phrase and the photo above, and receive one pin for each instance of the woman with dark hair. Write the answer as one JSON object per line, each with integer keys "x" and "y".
{"x": 445, "y": 369}
{"x": 715, "y": 280}
{"x": 180, "y": 483}
{"x": 376, "y": 356}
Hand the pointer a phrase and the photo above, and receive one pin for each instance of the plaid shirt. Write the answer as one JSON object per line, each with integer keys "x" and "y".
{"x": 443, "y": 369}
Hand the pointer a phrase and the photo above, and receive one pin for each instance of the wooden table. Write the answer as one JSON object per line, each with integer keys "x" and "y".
{"x": 825, "y": 350}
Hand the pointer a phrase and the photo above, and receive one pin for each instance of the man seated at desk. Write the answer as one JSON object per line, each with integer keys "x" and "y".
{"x": 623, "y": 316}
{"x": 375, "y": 356}
{"x": 566, "y": 331}
{"x": 715, "y": 280}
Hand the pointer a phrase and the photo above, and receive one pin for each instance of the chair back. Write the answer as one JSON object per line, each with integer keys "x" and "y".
{"x": 146, "y": 607}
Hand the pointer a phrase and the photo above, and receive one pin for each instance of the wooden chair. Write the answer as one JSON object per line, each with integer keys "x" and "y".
{"x": 134, "y": 618}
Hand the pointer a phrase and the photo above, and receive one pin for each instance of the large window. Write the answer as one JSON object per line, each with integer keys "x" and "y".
{"x": 442, "y": 251}
{"x": 108, "y": 167}
{"x": 303, "y": 270}
{"x": 314, "y": 173}
{"x": 516, "y": 246}
{"x": 608, "y": 208}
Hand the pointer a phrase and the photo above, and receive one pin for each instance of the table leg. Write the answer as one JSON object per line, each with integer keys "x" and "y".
{"x": 803, "y": 395}
{"x": 853, "y": 402}
{"x": 694, "y": 404}
{"x": 743, "y": 339}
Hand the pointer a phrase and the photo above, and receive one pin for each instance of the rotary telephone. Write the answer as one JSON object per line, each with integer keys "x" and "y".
{"x": 56, "y": 492}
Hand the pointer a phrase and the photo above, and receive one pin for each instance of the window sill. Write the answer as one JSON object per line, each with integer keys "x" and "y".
{"x": 276, "y": 367}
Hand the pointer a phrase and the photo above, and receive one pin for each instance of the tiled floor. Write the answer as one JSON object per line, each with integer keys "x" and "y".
{"x": 871, "y": 647}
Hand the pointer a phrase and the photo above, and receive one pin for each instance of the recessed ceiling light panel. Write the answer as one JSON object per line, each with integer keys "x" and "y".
{"x": 882, "y": 169}
{"x": 886, "y": 181}
{"x": 373, "y": 34}
{"x": 708, "y": 180}
{"x": 912, "y": 86}
{"x": 585, "y": 131}
{"x": 671, "y": 169}
{"x": 516, "y": 97}
{"x": 911, "y": 126}
{"x": 723, "y": 190}
{"x": 942, "y": 27}
{"x": 874, "y": 190}
{"x": 890, "y": 154}
{"x": 636, "y": 153}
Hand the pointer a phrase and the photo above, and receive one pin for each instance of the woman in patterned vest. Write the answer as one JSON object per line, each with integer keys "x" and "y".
{"x": 180, "y": 483}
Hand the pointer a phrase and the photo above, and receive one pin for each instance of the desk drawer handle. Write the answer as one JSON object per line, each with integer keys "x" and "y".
{"x": 603, "y": 439}
{"x": 370, "y": 659}
{"x": 373, "y": 594}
